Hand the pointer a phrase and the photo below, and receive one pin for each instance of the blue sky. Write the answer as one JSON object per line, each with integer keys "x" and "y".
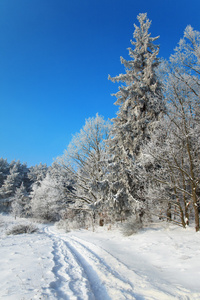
{"x": 55, "y": 57}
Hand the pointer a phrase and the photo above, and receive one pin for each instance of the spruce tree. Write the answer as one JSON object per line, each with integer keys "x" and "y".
{"x": 140, "y": 103}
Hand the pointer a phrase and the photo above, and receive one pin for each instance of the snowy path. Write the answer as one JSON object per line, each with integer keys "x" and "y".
{"x": 84, "y": 270}
{"x": 83, "y": 274}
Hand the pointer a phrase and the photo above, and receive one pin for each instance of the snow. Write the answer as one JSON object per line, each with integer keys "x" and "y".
{"x": 161, "y": 262}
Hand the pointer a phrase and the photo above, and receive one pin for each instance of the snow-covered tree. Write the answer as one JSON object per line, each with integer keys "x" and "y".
{"x": 23, "y": 175}
{"x": 11, "y": 182}
{"x": 186, "y": 59}
{"x": 11, "y": 177}
{"x": 140, "y": 103}
{"x": 4, "y": 170}
{"x": 37, "y": 173}
{"x": 140, "y": 98}
{"x": 20, "y": 202}
{"x": 49, "y": 198}
{"x": 85, "y": 160}
{"x": 176, "y": 146}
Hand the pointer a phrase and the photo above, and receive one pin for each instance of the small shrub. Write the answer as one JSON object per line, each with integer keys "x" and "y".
{"x": 22, "y": 228}
{"x": 132, "y": 226}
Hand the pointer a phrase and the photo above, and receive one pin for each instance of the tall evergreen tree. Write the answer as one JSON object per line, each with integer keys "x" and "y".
{"x": 140, "y": 103}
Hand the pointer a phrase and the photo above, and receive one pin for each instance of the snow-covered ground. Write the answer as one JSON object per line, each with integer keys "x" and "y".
{"x": 162, "y": 262}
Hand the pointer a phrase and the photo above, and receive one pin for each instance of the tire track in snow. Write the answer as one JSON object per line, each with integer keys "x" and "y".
{"x": 152, "y": 292}
{"x": 105, "y": 282}
{"x": 70, "y": 279}
{"x": 117, "y": 287}
{"x": 75, "y": 278}
{"x": 61, "y": 277}
{"x": 106, "y": 276}
{"x": 96, "y": 284}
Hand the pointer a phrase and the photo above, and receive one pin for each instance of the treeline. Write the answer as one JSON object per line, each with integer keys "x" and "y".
{"x": 16, "y": 183}
{"x": 142, "y": 164}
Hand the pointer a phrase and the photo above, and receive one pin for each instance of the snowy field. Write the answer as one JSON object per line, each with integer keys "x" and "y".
{"x": 162, "y": 262}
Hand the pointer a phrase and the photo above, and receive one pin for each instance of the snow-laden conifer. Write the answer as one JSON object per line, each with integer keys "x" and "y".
{"x": 140, "y": 103}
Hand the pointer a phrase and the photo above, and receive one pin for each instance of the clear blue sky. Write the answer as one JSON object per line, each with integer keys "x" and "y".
{"x": 55, "y": 57}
